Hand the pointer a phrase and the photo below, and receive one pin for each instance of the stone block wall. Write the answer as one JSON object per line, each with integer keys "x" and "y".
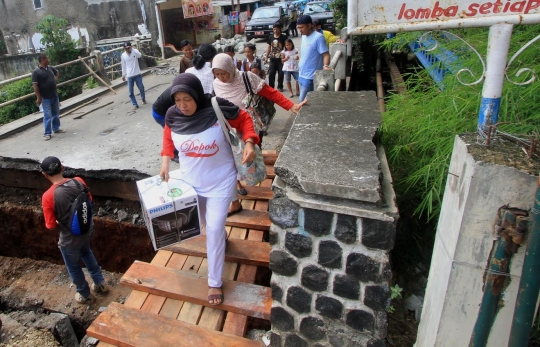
{"x": 331, "y": 272}
{"x": 333, "y": 225}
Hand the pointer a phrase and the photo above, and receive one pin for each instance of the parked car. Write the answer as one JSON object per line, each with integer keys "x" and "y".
{"x": 323, "y": 12}
{"x": 263, "y": 19}
{"x": 300, "y": 5}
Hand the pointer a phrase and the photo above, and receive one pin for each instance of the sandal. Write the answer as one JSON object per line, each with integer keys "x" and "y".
{"x": 291, "y": 95}
{"x": 235, "y": 211}
{"x": 212, "y": 297}
{"x": 242, "y": 191}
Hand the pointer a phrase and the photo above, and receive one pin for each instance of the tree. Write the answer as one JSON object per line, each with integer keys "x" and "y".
{"x": 61, "y": 48}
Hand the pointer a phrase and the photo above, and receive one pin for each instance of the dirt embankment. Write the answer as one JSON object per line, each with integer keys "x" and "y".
{"x": 32, "y": 272}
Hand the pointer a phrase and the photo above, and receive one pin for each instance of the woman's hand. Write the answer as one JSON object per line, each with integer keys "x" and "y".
{"x": 249, "y": 152}
{"x": 296, "y": 107}
{"x": 164, "y": 172}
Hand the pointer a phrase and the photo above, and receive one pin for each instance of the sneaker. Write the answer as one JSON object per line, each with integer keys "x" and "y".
{"x": 82, "y": 300}
{"x": 60, "y": 131}
{"x": 102, "y": 288}
{"x": 136, "y": 107}
{"x": 144, "y": 102}
{"x": 46, "y": 137}
{"x": 281, "y": 90}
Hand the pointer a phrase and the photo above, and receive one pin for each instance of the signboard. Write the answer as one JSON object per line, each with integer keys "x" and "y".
{"x": 197, "y": 8}
{"x": 375, "y": 16}
{"x": 233, "y": 17}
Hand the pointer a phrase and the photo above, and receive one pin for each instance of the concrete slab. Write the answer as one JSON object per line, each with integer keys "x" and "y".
{"x": 330, "y": 149}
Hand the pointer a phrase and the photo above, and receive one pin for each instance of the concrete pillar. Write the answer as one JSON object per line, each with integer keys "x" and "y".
{"x": 475, "y": 190}
{"x": 333, "y": 224}
{"x": 99, "y": 68}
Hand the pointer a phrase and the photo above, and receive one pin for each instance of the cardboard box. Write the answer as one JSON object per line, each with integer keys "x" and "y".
{"x": 170, "y": 209}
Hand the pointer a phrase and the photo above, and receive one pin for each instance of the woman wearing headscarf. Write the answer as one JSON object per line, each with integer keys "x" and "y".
{"x": 202, "y": 66}
{"x": 206, "y": 162}
{"x": 229, "y": 85}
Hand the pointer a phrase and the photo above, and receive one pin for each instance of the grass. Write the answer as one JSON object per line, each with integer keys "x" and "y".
{"x": 419, "y": 127}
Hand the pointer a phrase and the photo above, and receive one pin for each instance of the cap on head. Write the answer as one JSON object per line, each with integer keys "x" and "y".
{"x": 304, "y": 19}
{"x": 51, "y": 166}
{"x": 127, "y": 44}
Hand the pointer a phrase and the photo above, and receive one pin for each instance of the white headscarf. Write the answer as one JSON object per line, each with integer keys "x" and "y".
{"x": 234, "y": 90}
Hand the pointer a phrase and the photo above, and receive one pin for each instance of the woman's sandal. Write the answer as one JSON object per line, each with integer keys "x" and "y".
{"x": 242, "y": 191}
{"x": 212, "y": 297}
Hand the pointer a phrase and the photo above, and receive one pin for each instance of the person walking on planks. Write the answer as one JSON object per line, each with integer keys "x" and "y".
{"x": 206, "y": 162}
{"x": 131, "y": 69}
{"x": 44, "y": 79}
{"x": 57, "y": 202}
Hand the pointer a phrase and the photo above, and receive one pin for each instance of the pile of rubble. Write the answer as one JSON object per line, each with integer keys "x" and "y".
{"x": 237, "y": 42}
{"x": 165, "y": 69}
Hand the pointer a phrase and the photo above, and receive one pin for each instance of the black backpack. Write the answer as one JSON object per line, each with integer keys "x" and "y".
{"x": 80, "y": 212}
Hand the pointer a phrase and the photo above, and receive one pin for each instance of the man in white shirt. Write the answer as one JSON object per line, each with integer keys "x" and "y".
{"x": 130, "y": 68}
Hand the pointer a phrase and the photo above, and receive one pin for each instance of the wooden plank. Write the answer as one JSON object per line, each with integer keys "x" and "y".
{"x": 270, "y": 171}
{"x": 241, "y": 251}
{"x": 136, "y": 299}
{"x": 153, "y": 303}
{"x": 250, "y": 219}
{"x": 171, "y": 308}
{"x": 105, "y": 344}
{"x": 251, "y": 300}
{"x": 270, "y": 159}
{"x": 146, "y": 329}
{"x": 235, "y": 323}
{"x": 212, "y": 318}
{"x": 257, "y": 193}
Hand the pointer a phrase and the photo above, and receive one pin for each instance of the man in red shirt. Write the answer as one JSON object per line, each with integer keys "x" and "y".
{"x": 56, "y": 205}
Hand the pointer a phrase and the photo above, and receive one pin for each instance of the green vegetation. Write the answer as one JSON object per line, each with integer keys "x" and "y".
{"x": 19, "y": 109}
{"x": 395, "y": 293}
{"x": 61, "y": 48}
{"x": 419, "y": 127}
{"x": 91, "y": 83}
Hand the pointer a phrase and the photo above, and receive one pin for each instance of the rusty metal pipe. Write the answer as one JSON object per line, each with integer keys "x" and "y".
{"x": 496, "y": 276}
{"x": 379, "y": 81}
{"x": 529, "y": 284}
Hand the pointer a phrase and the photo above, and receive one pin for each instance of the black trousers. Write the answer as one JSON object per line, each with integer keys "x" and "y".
{"x": 275, "y": 66}
{"x": 294, "y": 30}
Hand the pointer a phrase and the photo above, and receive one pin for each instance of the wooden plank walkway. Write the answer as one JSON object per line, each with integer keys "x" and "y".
{"x": 186, "y": 262}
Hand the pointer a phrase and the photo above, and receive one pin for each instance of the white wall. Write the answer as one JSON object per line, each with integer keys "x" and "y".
{"x": 465, "y": 234}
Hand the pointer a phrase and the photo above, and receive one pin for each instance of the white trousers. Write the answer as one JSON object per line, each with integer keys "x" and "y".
{"x": 214, "y": 213}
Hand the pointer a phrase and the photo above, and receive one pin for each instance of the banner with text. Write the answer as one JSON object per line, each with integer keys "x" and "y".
{"x": 398, "y": 14}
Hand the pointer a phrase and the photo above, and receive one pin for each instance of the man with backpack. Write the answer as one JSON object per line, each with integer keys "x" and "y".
{"x": 67, "y": 206}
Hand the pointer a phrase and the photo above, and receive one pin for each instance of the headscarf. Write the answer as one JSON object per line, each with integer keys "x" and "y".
{"x": 204, "y": 116}
{"x": 234, "y": 90}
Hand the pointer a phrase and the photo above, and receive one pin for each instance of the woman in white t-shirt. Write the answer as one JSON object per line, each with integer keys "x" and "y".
{"x": 290, "y": 66}
{"x": 206, "y": 162}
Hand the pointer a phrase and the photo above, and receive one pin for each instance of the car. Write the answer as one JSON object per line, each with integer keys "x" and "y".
{"x": 323, "y": 12}
{"x": 263, "y": 19}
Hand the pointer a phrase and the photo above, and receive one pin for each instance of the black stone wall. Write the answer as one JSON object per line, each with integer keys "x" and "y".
{"x": 330, "y": 276}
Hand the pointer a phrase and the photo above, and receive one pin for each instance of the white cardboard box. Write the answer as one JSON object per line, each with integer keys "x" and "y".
{"x": 170, "y": 209}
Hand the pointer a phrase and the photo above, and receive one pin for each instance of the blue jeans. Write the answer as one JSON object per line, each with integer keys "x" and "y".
{"x": 288, "y": 75}
{"x": 72, "y": 258}
{"x": 51, "y": 114}
{"x": 305, "y": 87}
{"x": 138, "y": 80}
